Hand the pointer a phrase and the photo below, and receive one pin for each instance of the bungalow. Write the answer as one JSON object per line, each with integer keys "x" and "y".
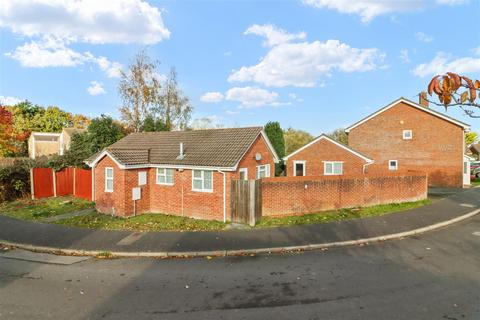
{"x": 325, "y": 156}
{"x": 186, "y": 173}
{"x": 410, "y": 136}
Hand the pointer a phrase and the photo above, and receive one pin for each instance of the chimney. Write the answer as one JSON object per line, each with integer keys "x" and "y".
{"x": 422, "y": 99}
{"x": 181, "y": 155}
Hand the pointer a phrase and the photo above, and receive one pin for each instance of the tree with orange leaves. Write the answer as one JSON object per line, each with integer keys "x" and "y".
{"x": 10, "y": 143}
{"x": 456, "y": 90}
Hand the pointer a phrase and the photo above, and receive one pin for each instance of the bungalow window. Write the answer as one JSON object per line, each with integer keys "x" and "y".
{"x": 263, "y": 171}
{"x": 165, "y": 176}
{"x": 243, "y": 173}
{"x": 299, "y": 168}
{"x": 202, "y": 180}
{"x": 392, "y": 165}
{"x": 108, "y": 179}
{"x": 333, "y": 168}
{"x": 407, "y": 134}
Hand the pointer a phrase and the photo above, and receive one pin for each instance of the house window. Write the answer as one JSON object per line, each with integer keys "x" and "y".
{"x": 392, "y": 165}
{"x": 299, "y": 168}
{"x": 165, "y": 176}
{"x": 108, "y": 179}
{"x": 202, "y": 180}
{"x": 333, "y": 168}
{"x": 407, "y": 134}
{"x": 243, "y": 173}
{"x": 263, "y": 171}
{"x": 142, "y": 178}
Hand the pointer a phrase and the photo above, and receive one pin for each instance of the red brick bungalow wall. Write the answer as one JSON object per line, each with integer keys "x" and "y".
{"x": 167, "y": 199}
{"x": 300, "y": 195}
{"x": 437, "y": 146}
{"x": 322, "y": 150}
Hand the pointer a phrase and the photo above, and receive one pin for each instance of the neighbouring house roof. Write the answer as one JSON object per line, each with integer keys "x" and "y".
{"x": 464, "y": 125}
{"x": 218, "y": 148}
{"x": 475, "y": 148}
{"x": 325, "y": 137}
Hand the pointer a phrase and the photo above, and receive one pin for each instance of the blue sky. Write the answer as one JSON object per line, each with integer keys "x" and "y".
{"x": 314, "y": 65}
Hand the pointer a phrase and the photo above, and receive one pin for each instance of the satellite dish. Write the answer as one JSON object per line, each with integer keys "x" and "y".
{"x": 258, "y": 156}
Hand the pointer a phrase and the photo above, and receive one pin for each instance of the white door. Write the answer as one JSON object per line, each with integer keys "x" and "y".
{"x": 466, "y": 172}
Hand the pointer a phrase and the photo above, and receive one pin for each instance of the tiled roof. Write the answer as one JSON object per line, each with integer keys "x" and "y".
{"x": 209, "y": 148}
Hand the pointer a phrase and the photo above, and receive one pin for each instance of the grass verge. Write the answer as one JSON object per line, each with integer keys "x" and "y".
{"x": 339, "y": 215}
{"x": 475, "y": 182}
{"x": 28, "y": 209}
{"x": 144, "y": 222}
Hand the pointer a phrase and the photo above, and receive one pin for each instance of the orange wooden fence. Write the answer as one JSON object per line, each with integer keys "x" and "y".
{"x": 68, "y": 181}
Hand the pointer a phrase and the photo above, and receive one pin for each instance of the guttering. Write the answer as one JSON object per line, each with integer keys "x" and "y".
{"x": 224, "y": 196}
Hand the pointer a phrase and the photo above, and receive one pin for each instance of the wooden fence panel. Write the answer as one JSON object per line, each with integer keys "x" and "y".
{"x": 42, "y": 183}
{"x": 83, "y": 184}
{"x": 245, "y": 201}
{"x": 64, "y": 182}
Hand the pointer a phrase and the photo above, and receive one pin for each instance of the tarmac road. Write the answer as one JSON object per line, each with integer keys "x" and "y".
{"x": 433, "y": 276}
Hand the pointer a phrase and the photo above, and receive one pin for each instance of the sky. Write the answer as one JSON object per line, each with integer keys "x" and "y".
{"x": 314, "y": 65}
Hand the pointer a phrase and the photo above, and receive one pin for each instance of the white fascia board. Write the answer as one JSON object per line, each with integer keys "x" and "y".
{"x": 323, "y": 136}
{"x": 415, "y": 105}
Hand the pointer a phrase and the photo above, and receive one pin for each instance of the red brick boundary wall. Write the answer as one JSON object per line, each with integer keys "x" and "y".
{"x": 300, "y": 195}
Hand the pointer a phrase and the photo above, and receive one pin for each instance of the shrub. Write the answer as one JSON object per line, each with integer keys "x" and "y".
{"x": 15, "y": 181}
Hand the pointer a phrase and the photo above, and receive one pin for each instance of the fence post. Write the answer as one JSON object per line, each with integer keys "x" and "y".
{"x": 54, "y": 183}
{"x": 32, "y": 187}
{"x": 251, "y": 203}
{"x": 74, "y": 177}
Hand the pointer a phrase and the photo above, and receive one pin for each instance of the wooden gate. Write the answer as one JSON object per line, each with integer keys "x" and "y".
{"x": 246, "y": 201}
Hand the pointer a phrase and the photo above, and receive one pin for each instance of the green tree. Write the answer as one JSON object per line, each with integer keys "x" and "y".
{"x": 295, "y": 139}
{"x": 470, "y": 138}
{"x": 150, "y": 124}
{"x": 102, "y": 132}
{"x": 139, "y": 89}
{"x": 275, "y": 135}
{"x": 339, "y": 135}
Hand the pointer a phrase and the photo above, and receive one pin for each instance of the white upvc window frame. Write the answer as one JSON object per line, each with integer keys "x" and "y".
{"x": 302, "y": 162}
{"x": 162, "y": 172}
{"x": 332, "y": 163}
{"x": 245, "y": 172}
{"x": 108, "y": 178}
{"x": 392, "y": 168}
{"x": 142, "y": 178}
{"x": 262, "y": 168}
{"x": 202, "y": 179}
{"x": 409, "y": 137}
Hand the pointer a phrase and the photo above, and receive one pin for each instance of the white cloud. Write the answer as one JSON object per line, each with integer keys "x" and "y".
{"x": 251, "y": 97}
{"x": 49, "y": 52}
{"x": 232, "y": 112}
{"x": 423, "y": 37}
{"x": 301, "y": 64}
{"x": 367, "y": 9}
{"x": 443, "y": 62}
{"x": 9, "y": 101}
{"x": 112, "y": 69}
{"x": 96, "y": 88}
{"x": 212, "y": 97}
{"x": 54, "y": 52}
{"x": 91, "y": 21}
{"x": 404, "y": 56}
{"x": 274, "y": 35}
{"x": 476, "y": 50}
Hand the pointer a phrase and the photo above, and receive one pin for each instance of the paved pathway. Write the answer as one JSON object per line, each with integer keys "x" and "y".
{"x": 69, "y": 215}
{"x": 58, "y": 236}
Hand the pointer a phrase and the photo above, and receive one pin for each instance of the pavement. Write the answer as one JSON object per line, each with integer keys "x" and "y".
{"x": 51, "y": 237}
{"x": 430, "y": 276}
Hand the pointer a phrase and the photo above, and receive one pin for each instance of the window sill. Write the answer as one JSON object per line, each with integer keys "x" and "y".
{"x": 202, "y": 190}
{"x": 165, "y": 184}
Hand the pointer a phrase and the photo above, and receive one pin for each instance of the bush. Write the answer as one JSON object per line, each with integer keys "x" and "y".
{"x": 15, "y": 181}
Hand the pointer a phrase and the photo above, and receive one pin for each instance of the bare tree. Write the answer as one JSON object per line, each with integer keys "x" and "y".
{"x": 173, "y": 107}
{"x": 139, "y": 90}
